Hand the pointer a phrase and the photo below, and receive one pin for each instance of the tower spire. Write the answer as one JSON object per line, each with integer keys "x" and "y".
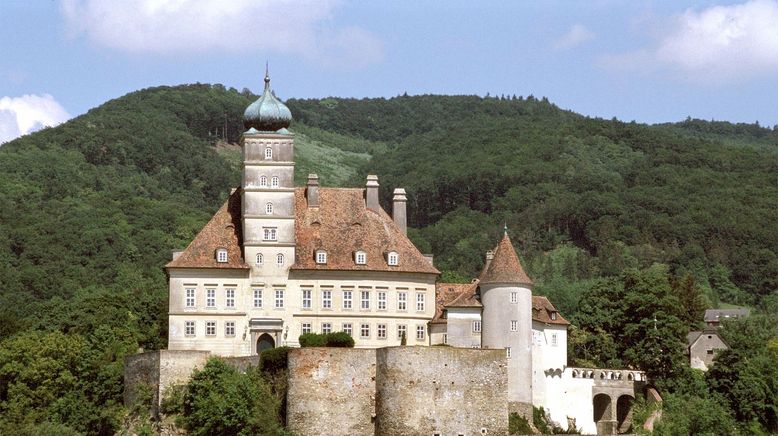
{"x": 267, "y": 76}
{"x": 505, "y": 228}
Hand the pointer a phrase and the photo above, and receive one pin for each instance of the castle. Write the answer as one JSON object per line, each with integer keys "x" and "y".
{"x": 277, "y": 261}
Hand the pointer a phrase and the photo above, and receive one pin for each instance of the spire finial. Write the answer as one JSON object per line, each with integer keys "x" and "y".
{"x": 267, "y": 75}
{"x": 505, "y": 228}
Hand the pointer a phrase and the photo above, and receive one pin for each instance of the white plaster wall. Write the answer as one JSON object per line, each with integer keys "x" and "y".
{"x": 570, "y": 397}
{"x": 460, "y": 327}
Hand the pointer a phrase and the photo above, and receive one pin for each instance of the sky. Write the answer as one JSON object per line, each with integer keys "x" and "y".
{"x": 647, "y": 61}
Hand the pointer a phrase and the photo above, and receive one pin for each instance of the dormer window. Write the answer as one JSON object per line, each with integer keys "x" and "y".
{"x": 393, "y": 259}
{"x": 269, "y": 208}
{"x": 274, "y": 182}
{"x": 360, "y": 258}
{"x": 553, "y": 316}
{"x": 268, "y": 153}
{"x": 321, "y": 257}
{"x": 221, "y": 255}
{"x": 263, "y": 182}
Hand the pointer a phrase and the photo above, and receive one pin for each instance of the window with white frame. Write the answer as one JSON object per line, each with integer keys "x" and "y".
{"x": 279, "y": 259}
{"x": 210, "y": 328}
{"x": 553, "y": 340}
{"x": 229, "y": 300}
{"x": 514, "y": 325}
{"x": 326, "y": 327}
{"x": 190, "y": 297}
{"x": 381, "y": 300}
{"x": 347, "y": 299}
{"x": 274, "y": 182}
{"x": 365, "y": 301}
{"x": 306, "y": 298}
{"x": 260, "y": 259}
{"x": 476, "y": 326}
{"x": 347, "y": 328}
{"x": 393, "y": 259}
{"x": 210, "y": 298}
{"x": 402, "y": 331}
{"x": 189, "y": 328}
{"x": 420, "y": 332}
{"x": 553, "y": 316}
{"x": 268, "y": 153}
{"x": 381, "y": 331}
{"x": 402, "y": 301}
{"x": 420, "y": 302}
{"x": 306, "y": 328}
{"x": 321, "y": 257}
{"x": 263, "y": 181}
{"x": 269, "y": 209}
{"x": 326, "y": 299}
{"x": 360, "y": 258}
{"x": 508, "y": 352}
{"x": 269, "y": 233}
{"x": 279, "y": 299}
{"x": 364, "y": 331}
{"x": 229, "y": 328}
{"x": 257, "y": 297}
{"x": 514, "y": 297}
{"x": 221, "y": 255}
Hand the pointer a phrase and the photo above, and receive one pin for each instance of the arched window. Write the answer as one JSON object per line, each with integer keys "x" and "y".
{"x": 221, "y": 255}
{"x": 268, "y": 153}
{"x": 393, "y": 259}
{"x": 260, "y": 259}
{"x": 269, "y": 208}
{"x": 321, "y": 257}
{"x": 280, "y": 259}
{"x": 274, "y": 182}
{"x": 263, "y": 181}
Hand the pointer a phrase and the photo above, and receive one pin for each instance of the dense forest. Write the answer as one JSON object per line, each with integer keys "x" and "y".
{"x": 623, "y": 225}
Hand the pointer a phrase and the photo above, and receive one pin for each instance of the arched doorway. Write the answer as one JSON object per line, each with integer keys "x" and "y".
{"x": 603, "y": 414}
{"x": 264, "y": 342}
{"x": 624, "y": 414}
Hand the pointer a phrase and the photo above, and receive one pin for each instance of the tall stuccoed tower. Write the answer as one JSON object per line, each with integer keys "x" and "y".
{"x": 506, "y": 296}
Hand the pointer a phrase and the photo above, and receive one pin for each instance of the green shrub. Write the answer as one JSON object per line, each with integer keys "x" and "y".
{"x": 313, "y": 340}
{"x": 337, "y": 339}
{"x": 273, "y": 359}
{"x": 540, "y": 421}
{"x": 173, "y": 401}
{"x": 340, "y": 339}
{"x": 517, "y": 424}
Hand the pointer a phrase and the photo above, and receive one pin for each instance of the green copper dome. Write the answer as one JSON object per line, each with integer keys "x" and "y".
{"x": 267, "y": 114}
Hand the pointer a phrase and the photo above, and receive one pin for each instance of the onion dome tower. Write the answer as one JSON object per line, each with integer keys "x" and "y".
{"x": 267, "y": 114}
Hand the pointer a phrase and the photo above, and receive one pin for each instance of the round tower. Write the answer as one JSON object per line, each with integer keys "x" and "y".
{"x": 506, "y": 296}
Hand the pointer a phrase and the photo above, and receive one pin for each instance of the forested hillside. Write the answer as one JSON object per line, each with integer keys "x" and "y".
{"x": 668, "y": 218}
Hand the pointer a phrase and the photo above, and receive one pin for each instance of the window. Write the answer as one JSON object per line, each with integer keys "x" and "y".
{"x": 508, "y": 352}
{"x": 221, "y": 255}
{"x": 365, "y": 304}
{"x": 326, "y": 299}
{"x": 553, "y": 340}
{"x": 364, "y": 331}
{"x": 514, "y": 325}
{"x": 393, "y": 259}
{"x": 263, "y": 181}
{"x": 257, "y": 297}
{"x": 269, "y": 233}
{"x": 260, "y": 259}
{"x": 210, "y": 328}
{"x": 326, "y": 328}
{"x": 306, "y": 328}
{"x": 347, "y": 328}
{"x": 229, "y": 328}
{"x": 269, "y": 209}
{"x": 709, "y": 351}
{"x": 321, "y": 256}
{"x": 274, "y": 182}
{"x": 381, "y": 329}
{"x": 402, "y": 332}
{"x": 514, "y": 297}
{"x": 279, "y": 298}
{"x": 190, "y": 297}
{"x": 382, "y": 300}
{"x": 210, "y": 298}
{"x": 279, "y": 259}
{"x": 476, "y": 326}
{"x": 445, "y": 338}
{"x": 268, "y": 153}
{"x": 189, "y": 328}
{"x": 553, "y": 316}
{"x": 347, "y": 299}
{"x": 230, "y": 298}
{"x": 306, "y": 298}
{"x": 420, "y": 302}
{"x": 402, "y": 301}
{"x": 360, "y": 258}
{"x": 420, "y": 332}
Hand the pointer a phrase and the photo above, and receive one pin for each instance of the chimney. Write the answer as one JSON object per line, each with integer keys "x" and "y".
{"x": 398, "y": 209}
{"x": 489, "y": 257}
{"x": 371, "y": 193}
{"x": 312, "y": 192}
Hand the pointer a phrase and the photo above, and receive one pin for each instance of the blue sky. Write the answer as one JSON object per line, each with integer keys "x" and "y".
{"x": 649, "y": 61}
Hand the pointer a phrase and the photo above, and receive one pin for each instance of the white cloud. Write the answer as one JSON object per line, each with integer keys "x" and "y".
{"x": 28, "y": 113}
{"x": 191, "y": 26}
{"x": 720, "y": 43}
{"x": 577, "y": 35}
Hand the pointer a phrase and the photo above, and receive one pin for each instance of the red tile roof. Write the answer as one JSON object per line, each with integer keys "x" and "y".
{"x": 342, "y": 225}
{"x": 542, "y": 310}
{"x": 224, "y": 230}
{"x": 454, "y": 295}
{"x": 505, "y": 266}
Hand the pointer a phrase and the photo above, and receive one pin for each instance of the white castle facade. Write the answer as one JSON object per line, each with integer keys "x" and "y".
{"x": 277, "y": 261}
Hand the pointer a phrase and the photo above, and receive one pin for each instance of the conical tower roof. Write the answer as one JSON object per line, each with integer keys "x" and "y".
{"x": 267, "y": 114}
{"x": 505, "y": 266}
